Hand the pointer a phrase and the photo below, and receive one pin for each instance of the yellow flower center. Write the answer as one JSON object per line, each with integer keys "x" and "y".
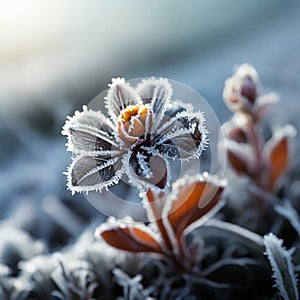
{"x": 132, "y": 122}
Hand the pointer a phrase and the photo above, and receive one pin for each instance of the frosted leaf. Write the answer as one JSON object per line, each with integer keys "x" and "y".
{"x": 120, "y": 95}
{"x": 176, "y": 106}
{"x": 157, "y": 92}
{"x": 276, "y": 153}
{"x": 193, "y": 201}
{"x": 74, "y": 279}
{"x": 92, "y": 171}
{"x": 89, "y": 131}
{"x": 264, "y": 101}
{"x": 239, "y": 159}
{"x": 183, "y": 136}
{"x": 87, "y": 140}
{"x": 42, "y": 263}
{"x": 38, "y": 271}
{"x": 147, "y": 169}
{"x": 132, "y": 237}
{"x": 282, "y": 267}
{"x": 91, "y": 119}
{"x": 182, "y": 120}
{"x": 132, "y": 287}
{"x": 14, "y": 289}
{"x": 214, "y": 227}
{"x": 99, "y": 256}
{"x": 17, "y": 245}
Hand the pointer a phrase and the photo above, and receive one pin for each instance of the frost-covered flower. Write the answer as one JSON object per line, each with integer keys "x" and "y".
{"x": 144, "y": 129}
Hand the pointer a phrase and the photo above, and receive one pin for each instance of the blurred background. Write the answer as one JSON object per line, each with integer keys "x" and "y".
{"x": 56, "y": 56}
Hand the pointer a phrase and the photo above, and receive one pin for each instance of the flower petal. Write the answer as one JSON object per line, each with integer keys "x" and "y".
{"x": 191, "y": 202}
{"x": 176, "y": 106}
{"x": 183, "y": 136}
{"x": 157, "y": 92}
{"x": 147, "y": 170}
{"x": 120, "y": 94}
{"x": 89, "y": 131}
{"x": 276, "y": 153}
{"x": 93, "y": 171}
{"x": 129, "y": 237}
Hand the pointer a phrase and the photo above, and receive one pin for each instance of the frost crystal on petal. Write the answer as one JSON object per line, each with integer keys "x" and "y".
{"x": 119, "y": 96}
{"x": 157, "y": 92}
{"x": 145, "y": 169}
{"x": 184, "y": 136}
{"x": 89, "y": 131}
{"x": 93, "y": 171}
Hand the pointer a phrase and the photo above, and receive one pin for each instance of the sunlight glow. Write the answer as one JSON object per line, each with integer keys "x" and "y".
{"x": 25, "y": 27}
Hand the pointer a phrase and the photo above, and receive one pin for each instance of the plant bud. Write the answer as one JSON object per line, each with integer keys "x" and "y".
{"x": 240, "y": 91}
{"x": 132, "y": 122}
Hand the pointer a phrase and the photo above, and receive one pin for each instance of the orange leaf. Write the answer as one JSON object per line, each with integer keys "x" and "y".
{"x": 132, "y": 238}
{"x": 277, "y": 153}
{"x": 238, "y": 162}
{"x": 193, "y": 201}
